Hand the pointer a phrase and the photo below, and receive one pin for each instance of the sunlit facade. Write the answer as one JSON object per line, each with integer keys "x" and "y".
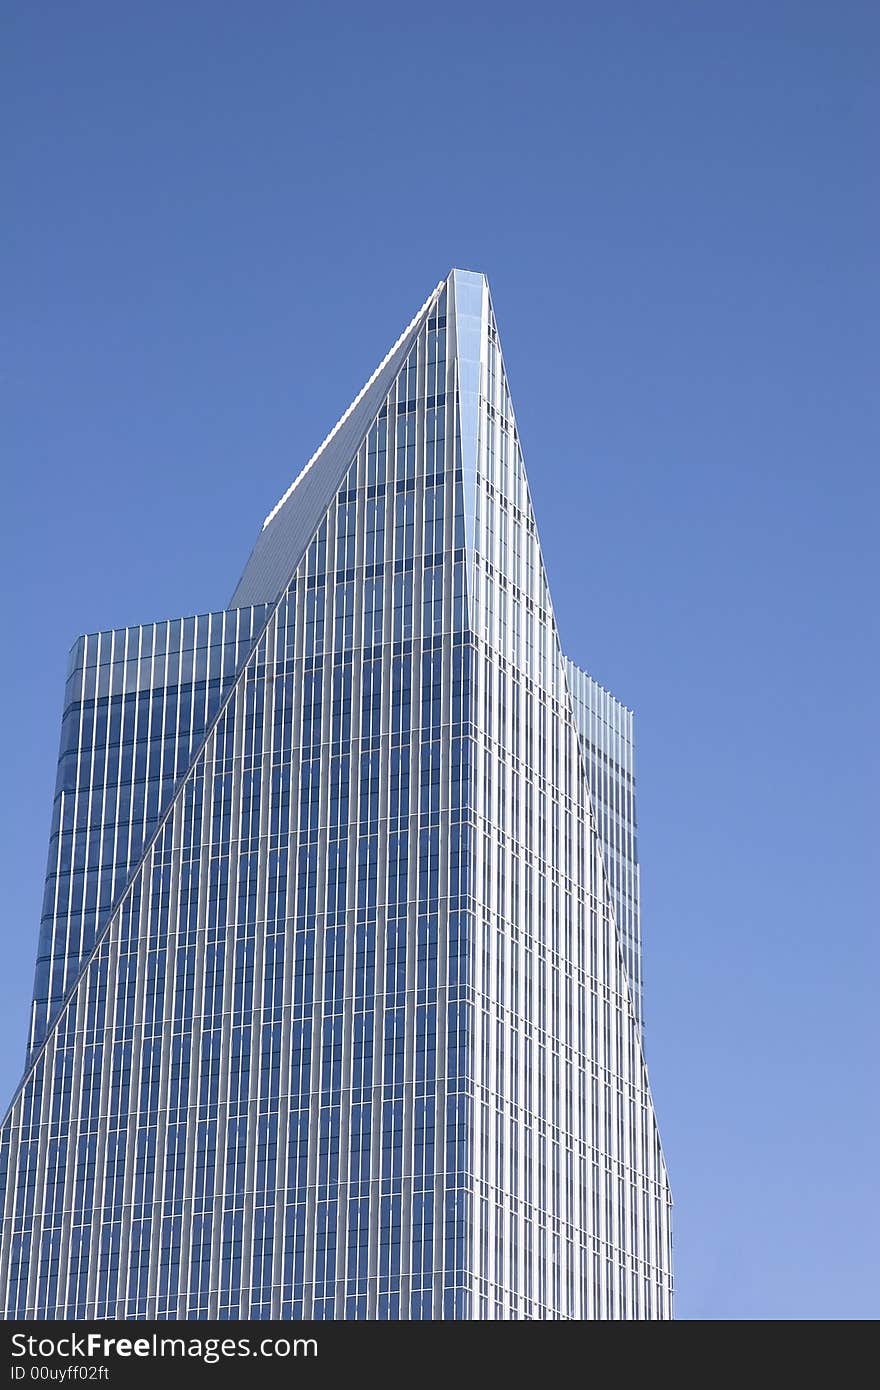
{"x": 337, "y": 1009}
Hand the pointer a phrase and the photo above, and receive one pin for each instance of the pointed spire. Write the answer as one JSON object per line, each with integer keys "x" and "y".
{"x": 470, "y": 296}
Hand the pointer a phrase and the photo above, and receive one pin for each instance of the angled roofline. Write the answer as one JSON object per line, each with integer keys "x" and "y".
{"x": 356, "y": 402}
{"x": 293, "y": 520}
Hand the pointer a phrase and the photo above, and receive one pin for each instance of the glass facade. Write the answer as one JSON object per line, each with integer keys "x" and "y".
{"x": 337, "y": 1006}
{"x": 137, "y": 703}
{"x": 606, "y": 730}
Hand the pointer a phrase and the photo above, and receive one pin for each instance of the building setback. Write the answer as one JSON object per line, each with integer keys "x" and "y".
{"x": 337, "y": 1007}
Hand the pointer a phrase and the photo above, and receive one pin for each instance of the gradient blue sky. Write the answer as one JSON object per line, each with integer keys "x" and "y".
{"x": 218, "y": 216}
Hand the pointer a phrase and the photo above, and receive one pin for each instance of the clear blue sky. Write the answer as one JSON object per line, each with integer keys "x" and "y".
{"x": 218, "y": 216}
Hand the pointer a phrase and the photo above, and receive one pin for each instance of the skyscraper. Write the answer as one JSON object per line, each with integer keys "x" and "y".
{"x": 337, "y": 1008}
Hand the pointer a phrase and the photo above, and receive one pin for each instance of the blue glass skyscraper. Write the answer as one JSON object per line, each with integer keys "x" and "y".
{"x": 337, "y": 1007}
